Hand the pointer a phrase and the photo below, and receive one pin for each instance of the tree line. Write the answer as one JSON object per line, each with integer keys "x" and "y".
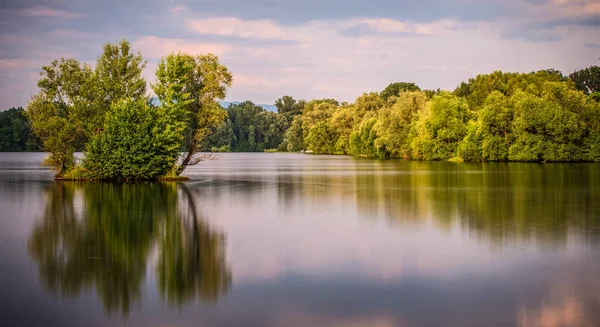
{"x": 106, "y": 112}
{"x": 15, "y": 132}
{"x": 532, "y": 117}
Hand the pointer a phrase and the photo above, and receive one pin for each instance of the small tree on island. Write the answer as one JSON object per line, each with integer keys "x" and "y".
{"x": 106, "y": 113}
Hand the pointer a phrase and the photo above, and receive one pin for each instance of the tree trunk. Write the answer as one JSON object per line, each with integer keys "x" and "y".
{"x": 191, "y": 151}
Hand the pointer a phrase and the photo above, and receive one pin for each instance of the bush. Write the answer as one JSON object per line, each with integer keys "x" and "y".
{"x": 138, "y": 143}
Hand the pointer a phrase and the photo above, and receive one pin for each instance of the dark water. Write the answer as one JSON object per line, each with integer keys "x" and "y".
{"x": 300, "y": 240}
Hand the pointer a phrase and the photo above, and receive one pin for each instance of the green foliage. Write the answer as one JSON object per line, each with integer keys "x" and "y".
{"x": 255, "y": 129}
{"x": 294, "y": 136}
{"x": 587, "y": 80}
{"x": 394, "y": 124}
{"x": 138, "y": 143}
{"x": 195, "y": 84}
{"x": 362, "y": 140}
{"x": 289, "y": 107}
{"x": 495, "y": 127}
{"x": 439, "y": 128}
{"x": 119, "y": 71}
{"x": 469, "y": 149}
{"x": 55, "y": 125}
{"x": 394, "y": 89}
{"x": 15, "y": 132}
{"x": 73, "y": 100}
{"x": 551, "y": 127}
{"x": 321, "y": 138}
{"x": 477, "y": 89}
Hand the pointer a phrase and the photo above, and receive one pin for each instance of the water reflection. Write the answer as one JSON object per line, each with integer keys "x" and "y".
{"x": 101, "y": 237}
{"x": 496, "y": 202}
{"x": 313, "y": 241}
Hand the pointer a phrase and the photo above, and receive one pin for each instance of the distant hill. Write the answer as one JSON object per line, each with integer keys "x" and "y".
{"x": 267, "y": 107}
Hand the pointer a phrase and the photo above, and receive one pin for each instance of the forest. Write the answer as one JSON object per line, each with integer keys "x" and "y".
{"x": 540, "y": 116}
{"x": 126, "y": 134}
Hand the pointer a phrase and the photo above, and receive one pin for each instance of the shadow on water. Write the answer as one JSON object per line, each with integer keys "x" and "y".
{"x": 100, "y": 237}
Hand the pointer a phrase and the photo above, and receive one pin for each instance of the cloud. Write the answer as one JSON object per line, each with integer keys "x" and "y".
{"x": 231, "y": 26}
{"x": 41, "y": 11}
{"x": 313, "y": 48}
{"x": 304, "y": 11}
{"x": 155, "y": 47}
{"x": 386, "y": 26}
{"x": 592, "y": 45}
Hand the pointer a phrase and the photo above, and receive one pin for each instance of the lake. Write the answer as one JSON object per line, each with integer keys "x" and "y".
{"x": 302, "y": 240}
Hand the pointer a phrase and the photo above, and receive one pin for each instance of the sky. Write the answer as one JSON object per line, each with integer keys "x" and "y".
{"x": 305, "y": 48}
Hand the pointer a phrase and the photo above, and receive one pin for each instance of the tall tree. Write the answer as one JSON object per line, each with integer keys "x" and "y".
{"x": 55, "y": 112}
{"x": 197, "y": 83}
{"x": 118, "y": 76}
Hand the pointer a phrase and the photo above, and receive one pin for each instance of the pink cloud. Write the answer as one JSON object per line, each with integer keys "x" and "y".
{"x": 156, "y": 47}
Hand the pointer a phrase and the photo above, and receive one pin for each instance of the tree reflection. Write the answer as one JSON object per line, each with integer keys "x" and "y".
{"x": 192, "y": 258}
{"x": 100, "y": 236}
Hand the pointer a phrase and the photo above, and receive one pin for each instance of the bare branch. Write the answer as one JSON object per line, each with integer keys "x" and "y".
{"x": 199, "y": 157}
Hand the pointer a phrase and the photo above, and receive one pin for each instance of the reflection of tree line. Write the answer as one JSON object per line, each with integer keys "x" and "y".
{"x": 107, "y": 246}
{"x": 496, "y": 201}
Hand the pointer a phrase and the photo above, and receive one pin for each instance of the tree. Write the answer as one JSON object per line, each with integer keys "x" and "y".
{"x": 117, "y": 76}
{"x": 15, "y": 132}
{"x": 394, "y": 89}
{"x": 294, "y": 136}
{"x": 73, "y": 100}
{"x": 289, "y": 107}
{"x": 544, "y": 130}
{"x": 321, "y": 138}
{"x": 587, "y": 79}
{"x": 440, "y": 128}
{"x": 362, "y": 140}
{"x": 477, "y": 89}
{"x": 56, "y": 112}
{"x": 198, "y": 82}
{"x": 394, "y": 124}
{"x": 138, "y": 143}
{"x": 494, "y": 127}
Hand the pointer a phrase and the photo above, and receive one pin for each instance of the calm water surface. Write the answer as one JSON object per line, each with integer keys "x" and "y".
{"x": 300, "y": 240}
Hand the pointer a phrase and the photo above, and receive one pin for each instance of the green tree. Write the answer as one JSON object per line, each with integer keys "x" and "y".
{"x": 394, "y": 124}
{"x": 362, "y": 140}
{"x": 56, "y": 112}
{"x": 294, "y": 136}
{"x": 321, "y": 138}
{"x": 117, "y": 76}
{"x": 440, "y": 128}
{"x": 477, "y": 89}
{"x": 15, "y": 132}
{"x": 544, "y": 131}
{"x": 495, "y": 127}
{"x": 394, "y": 89}
{"x": 587, "y": 79}
{"x": 201, "y": 81}
{"x": 289, "y": 107}
{"x": 138, "y": 143}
